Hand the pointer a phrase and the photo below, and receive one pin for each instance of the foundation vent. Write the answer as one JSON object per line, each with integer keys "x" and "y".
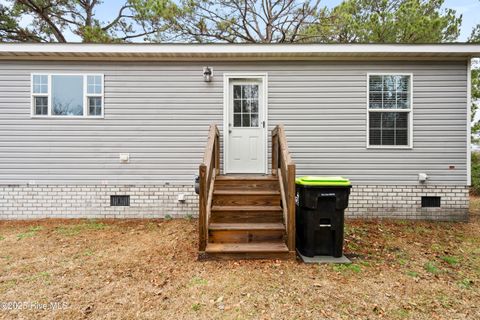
{"x": 119, "y": 201}
{"x": 431, "y": 202}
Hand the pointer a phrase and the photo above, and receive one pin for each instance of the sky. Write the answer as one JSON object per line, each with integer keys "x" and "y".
{"x": 470, "y": 9}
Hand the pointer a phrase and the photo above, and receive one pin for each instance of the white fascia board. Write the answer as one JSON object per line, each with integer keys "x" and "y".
{"x": 191, "y": 50}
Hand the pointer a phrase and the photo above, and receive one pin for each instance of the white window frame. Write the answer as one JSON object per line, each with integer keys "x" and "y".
{"x": 49, "y": 95}
{"x": 410, "y": 112}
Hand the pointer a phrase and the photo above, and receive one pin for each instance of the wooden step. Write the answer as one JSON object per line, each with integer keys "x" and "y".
{"x": 247, "y": 183}
{"x": 263, "y": 250}
{"x": 234, "y": 177}
{"x": 246, "y": 226}
{"x": 245, "y": 232}
{"x": 246, "y": 214}
{"x": 262, "y": 247}
{"x": 246, "y": 192}
{"x": 246, "y": 198}
{"x": 247, "y": 208}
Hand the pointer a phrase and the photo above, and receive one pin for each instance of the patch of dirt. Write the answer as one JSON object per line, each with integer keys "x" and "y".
{"x": 148, "y": 269}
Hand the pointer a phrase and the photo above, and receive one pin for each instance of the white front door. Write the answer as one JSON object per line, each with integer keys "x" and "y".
{"x": 246, "y": 132}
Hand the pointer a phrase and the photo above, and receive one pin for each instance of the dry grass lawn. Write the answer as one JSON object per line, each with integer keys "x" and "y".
{"x": 148, "y": 270}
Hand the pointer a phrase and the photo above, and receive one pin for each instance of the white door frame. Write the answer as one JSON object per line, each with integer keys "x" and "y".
{"x": 263, "y": 77}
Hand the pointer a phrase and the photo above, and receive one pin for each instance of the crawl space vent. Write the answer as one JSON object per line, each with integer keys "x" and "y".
{"x": 119, "y": 201}
{"x": 431, "y": 202}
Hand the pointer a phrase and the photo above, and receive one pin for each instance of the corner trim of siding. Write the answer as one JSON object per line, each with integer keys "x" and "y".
{"x": 469, "y": 120}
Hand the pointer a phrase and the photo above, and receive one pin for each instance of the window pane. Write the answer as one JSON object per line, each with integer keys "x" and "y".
{"x": 401, "y": 137}
{"x": 40, "y": 84}
{"x": 389, "y": 100}
{"x": 246, "y": 92}
{"x": 402, "y": 100}
{"x": 94, "y": 84}
{"x": 254, "y": 92}
{"x": 254, "y": 120}
{"x": 245, "y": 120}
{"x": 403, "y": 83}
{"x": 376, "y": 83}
{"x": 388, "y": 120}
{"x": 402, "y": 120}
{"x": 389, "y": 92}
{"x": 376, "y": 100}
{"x": 255, "y": 106}
{"x": 237, "y": 120}
{"x": 388, "y": 128}
{"x": 41, "y": 106}
{"x": 237, "y": 92}
{"x": 67, "y": 95}
{"x": 375, "y": 137}
{"x": 389, "y": 83}
{"x": 375, "y": 119}
{"x": 246, "y": 106}
{"x": 237, "y": 106}
{"x": 95, "y": 106}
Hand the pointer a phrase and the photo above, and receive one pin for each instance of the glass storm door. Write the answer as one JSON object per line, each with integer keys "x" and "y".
{"x": 246, "y": 127}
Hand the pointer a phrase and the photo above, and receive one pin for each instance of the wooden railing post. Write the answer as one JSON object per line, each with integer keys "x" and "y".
{"x": 274, "y": 153}
{"x": 291, "y": 207}
{"x": 202, "y": 215}
{"x": 217, "y": 153}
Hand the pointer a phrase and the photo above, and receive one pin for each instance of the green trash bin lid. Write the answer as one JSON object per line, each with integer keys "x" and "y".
{"x": 323, "y": 181}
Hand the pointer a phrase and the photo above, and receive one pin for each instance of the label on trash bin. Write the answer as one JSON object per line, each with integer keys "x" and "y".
{"x": 297, "y": 199}
{"x": 327, "y": 195}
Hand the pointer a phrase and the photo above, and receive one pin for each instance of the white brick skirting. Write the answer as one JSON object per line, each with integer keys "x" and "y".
{"x": 405, "y": 202}
{"x": 36, "y": 202}
{"x": 152, "y": 201}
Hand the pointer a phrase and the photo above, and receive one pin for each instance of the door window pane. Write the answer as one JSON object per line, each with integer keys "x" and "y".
{"x": 237, "y": 120}
{"x": 245, "y": 105}
{"x": 67, "y": 95}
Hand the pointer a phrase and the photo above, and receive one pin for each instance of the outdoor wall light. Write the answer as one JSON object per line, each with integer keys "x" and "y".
{"x": 207, "y": 74}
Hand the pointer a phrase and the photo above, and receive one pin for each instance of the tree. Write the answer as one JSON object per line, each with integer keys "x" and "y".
{"x": 386, "y": 21}
{"x": 475, "y": 38}
{"x": 250, "y": 21}
{"x": 56, "y": 20}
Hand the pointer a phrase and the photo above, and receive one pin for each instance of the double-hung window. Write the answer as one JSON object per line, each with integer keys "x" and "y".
{"x": 67, "y": 95}
{"x": 390, "y": 110}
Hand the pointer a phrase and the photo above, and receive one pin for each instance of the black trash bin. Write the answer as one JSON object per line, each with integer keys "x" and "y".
{"x": 320, "y": 208}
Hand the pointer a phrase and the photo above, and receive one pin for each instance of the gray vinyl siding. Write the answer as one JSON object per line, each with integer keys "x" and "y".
{"x": 159, "y": 113}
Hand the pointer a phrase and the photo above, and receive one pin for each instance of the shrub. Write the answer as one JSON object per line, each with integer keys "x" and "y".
{"x": 475, "y": 189}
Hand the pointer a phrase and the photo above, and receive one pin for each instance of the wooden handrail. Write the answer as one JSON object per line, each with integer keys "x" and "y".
{"x": 284, "y": 167}
{"x": 207, "y": 172}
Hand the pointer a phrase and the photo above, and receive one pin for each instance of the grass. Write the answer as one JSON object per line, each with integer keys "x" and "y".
{"x": 347, "y": 268}
{"x": 412, "y": 274}
{"x": 430, "y": 267}
{"x": 73, "y": 230}
{"x": 449, "y": 260}
{"x": 30, "y": 233}
{"x": 148, "y": 269}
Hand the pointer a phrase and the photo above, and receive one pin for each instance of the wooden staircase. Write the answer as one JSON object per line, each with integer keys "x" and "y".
{"x": 242, "y": 217}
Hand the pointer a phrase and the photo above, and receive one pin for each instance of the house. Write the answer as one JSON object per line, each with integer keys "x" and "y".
{"x": 119, "y": 130}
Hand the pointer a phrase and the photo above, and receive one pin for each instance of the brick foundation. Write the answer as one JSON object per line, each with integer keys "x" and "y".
{"x": 157, "y": 201}
{"x": 152, "y": 201}
{"x": 404, "y": 202}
